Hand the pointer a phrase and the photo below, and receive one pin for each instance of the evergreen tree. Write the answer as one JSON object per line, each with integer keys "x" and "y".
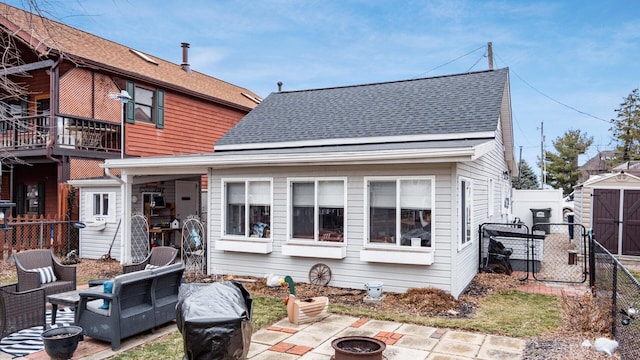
{"x": 562, "y": 165}
{"x": 626, "y": 128}
{"x": 527, "y": 180}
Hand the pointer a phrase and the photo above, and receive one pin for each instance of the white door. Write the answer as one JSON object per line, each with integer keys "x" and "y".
{"x": 187, "y": 199}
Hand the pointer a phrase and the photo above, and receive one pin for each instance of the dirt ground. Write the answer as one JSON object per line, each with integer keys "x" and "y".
{"x": 417, "y": 302}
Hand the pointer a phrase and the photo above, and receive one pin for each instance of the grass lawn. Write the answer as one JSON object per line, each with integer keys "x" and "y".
{"x": 510, "y": 313}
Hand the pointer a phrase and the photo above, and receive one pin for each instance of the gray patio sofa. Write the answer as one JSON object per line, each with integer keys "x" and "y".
{"x": 140, "y": 301}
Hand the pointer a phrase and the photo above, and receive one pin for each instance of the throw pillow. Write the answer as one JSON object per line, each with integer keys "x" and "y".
{"x": 151, "y": 267}
{"x": 46, "y": 274}
{"x": 107, "y": 288}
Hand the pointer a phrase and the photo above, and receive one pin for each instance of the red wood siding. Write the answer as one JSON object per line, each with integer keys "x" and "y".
{"x": 38, "y": 88}
{"x": 190, "y": 127}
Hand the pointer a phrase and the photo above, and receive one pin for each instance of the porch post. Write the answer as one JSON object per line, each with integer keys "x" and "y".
{"x": 125, "y": 216}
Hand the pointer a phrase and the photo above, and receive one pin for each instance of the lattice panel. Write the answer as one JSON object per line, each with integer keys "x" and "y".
{"x": 79, "y": 97}
{"x": 194, "y": 244}
{"x": 81, "y": 168}
{"x": 139, "y": 238}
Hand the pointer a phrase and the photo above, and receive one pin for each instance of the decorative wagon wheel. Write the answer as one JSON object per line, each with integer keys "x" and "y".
{"x": 320, "y": 274}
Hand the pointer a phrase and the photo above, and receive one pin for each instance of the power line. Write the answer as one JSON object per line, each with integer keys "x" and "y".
{"x": 550, "y": 98}
{"x": 449, "y": 62}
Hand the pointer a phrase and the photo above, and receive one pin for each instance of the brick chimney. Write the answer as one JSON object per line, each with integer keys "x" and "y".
{"x": 185, "y": 58}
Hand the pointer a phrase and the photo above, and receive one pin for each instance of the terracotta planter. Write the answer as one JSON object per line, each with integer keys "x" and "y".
{"x": 60, "y": 343}
{"x": 358, "y": 348}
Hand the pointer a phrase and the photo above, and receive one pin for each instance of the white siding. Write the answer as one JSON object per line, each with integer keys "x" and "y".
{"x": 95, "y": 243}
{"x": 491, "y": 165}
{"x": 349, "y": 272}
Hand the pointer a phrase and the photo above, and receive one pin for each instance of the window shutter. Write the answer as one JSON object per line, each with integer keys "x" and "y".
{"x": 131, "y": 104}
{"x": 160, "y": 109}
{"x": 41, "y": 198}
{"x": 20, "y": 192}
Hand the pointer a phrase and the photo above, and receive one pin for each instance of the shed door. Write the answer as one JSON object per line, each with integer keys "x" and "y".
{"x": 606, "y": 210}
{"x": 631, "y": 223}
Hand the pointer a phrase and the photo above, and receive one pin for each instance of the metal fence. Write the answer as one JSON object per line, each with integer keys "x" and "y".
{"x": 547, "y": 252}
{"x": 562, "y": 254}
{"x": 610, "y": 278}
{"x": 24, "y": 233}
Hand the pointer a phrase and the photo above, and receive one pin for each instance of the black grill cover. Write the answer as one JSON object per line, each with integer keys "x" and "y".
{"x": 214, "y": 320}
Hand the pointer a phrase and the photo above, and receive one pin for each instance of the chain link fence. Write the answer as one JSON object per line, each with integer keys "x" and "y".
{"x": 39, "y": 233}
{"x": 609, "y": 278}
{"x": 562, "y": 254}
{"x": 548, "y": 252}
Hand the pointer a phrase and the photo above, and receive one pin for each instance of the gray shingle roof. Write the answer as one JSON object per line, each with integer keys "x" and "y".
{"x": 453, "y": 104}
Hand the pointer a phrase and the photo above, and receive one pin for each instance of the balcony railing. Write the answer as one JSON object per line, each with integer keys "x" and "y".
{"x": 34, "y": 132}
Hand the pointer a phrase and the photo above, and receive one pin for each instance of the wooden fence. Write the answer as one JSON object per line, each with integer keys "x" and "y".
{"x": 38, "y": 232}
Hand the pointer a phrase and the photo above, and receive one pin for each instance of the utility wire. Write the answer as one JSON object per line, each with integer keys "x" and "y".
{"x": 449, "y": 62}
{"x": 483, "y": 56}
{"x": 549, "y": 97}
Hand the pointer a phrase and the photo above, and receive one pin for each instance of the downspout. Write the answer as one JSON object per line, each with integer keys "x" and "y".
{"x": 124, "y": 220}
{"x": 117, "y": 178}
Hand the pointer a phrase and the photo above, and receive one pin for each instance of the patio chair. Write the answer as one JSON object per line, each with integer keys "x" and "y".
{"x": 159, "y": 256}
{"x": 40, "y": 268}
{"x": 21, "y": 310}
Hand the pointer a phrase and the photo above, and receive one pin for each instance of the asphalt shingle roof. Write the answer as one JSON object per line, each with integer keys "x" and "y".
{"x": 45, "y": 35}
{"x": 453, "y": 104}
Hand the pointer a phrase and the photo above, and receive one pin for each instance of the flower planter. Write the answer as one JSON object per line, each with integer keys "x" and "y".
{"x": 60, "y": 343}
{"x": 358, "y": 348}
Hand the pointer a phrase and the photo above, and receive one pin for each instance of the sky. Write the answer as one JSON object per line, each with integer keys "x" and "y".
{"x": 572, "y": 63}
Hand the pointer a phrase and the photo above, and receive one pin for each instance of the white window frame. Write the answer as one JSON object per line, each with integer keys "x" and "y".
{"x": 395, "y": 253}
{"x": 242, "y": 243}
{"x": 314, "y": 247}
{"x": 491, "y": 197}
{"x": 462, "y": 241}
{"x": 110, "y": 216}
{"x": 223, "y": 208}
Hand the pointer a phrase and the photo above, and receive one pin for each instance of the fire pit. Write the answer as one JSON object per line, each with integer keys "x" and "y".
{"x": 60, "y": 343}
{"x": 358, "y": 347}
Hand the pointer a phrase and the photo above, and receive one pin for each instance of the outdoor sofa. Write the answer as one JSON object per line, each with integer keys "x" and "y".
{"x": 139, "y": 301}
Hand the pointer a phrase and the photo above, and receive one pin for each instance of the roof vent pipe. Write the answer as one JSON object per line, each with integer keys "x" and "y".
{"x": 185, "y": 58}
{"x": 279, "y": 86}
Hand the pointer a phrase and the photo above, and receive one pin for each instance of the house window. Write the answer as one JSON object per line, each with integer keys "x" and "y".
{"x": 400, "y": 211}
{"x": 143, "y": 104}
{"x": 11, "y": 111}
{"x": 33, "y": 198}
{"x": 146, "y": 105}
{"x": 491, "y": 200}
{"x": 101, "y": 206}
{"x": 317, "y": 209}
{"x": 465, "y": 211}
{"x": 248, "y": 208}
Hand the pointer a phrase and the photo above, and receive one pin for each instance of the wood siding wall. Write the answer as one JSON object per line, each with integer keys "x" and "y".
{"x": 489, "y": 166}
{"x": 190, "y": 127}
{"x": 95, "y": 243}
{"x": 349, "y": 272}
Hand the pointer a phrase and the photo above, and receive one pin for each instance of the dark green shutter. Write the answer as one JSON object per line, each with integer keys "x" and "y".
{"x": 160, "y": 109}
{"x": 19, "y": 197}
{"x": 41, "y": 198}
{"x": 129, "y": 113}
